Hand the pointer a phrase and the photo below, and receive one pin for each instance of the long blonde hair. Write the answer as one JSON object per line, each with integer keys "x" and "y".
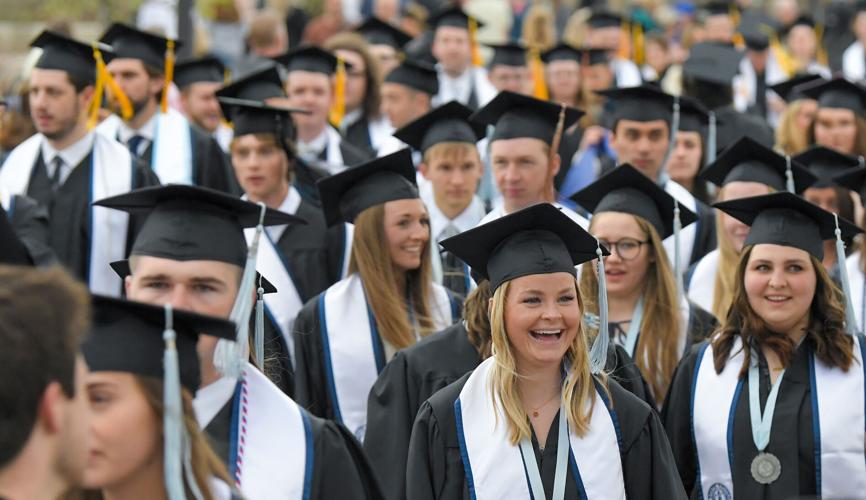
{"x": 657, "y": 353}
{"x": 577, "y": 390}
{"x": 790, "y": 139}
{"x": 371, "y": 260}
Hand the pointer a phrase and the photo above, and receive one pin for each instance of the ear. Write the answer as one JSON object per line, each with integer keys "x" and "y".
{"x": 555, "y": 165}
{"x": 127, "y": 285}
{"x": 422, "y": 167}
{"x": 87, "y": 95}
{"x": 51, "y": 408}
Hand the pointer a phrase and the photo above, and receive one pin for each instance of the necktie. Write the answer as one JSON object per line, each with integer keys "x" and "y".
{"x": 57, "y": 174}
{"x": 133, "y": 144}
{"x": 453, "y": 277}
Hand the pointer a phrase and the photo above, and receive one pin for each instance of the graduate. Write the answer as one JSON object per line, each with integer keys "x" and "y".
{"x": 198, "y": 80}
{"x": 839, "y": 121}
{"x": 604, "y": 31}
{"x": 455, "y": 47}
{"x": 27, "y": 222}
{"x": 176, "y": 150}
{"x": 508, "y": 70}
{"x": 641, "y": 125}
{"x": 407, "y": 94}
{"x": 345, "y": 335}
{"x": 795, "y": 121}
{"x": 695, "y": 139}
{"x": 385, "y": 42}
{"x": 303, "y": 260}
{"x": 745, "y": 169}
{"x": 772, "y": 406}
{"x": 538, "y": 418}
{"x": 855, "y": 180}
{"x": 451, "y": 165}
{"x": 647, "y": 312}
{"x": 311, "y": 85}
{"x": 64, "y": 167}
{"x": 192, "y": 254}
{"x": 137, "y": 379}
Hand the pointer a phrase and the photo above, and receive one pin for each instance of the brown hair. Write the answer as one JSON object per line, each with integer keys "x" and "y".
{"x": 288, "y": 146}
{"x": 661, "y": 328}
{"x": 455, "y": 151}
{"x": 264, "y": 29}
{"x": 355, "y": 43}
{"x": 826, "y": 326}
{"x": 370, "y": 259}
{"x": 476, "y": 319}
{"x": 44, "y": 314}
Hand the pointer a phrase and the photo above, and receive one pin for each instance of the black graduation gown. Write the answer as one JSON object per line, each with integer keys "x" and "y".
{"x": 211, "y": 167}
{"x": 340, "y": 469}
{"x": 705, "y": 239}
{"x": 305, "y": 178}
{"x": 30, "y": 222}
{"x": 69, "y": 208}
{"x": 351, "y": 154}
{"x": 435, "y": 469}
{"x": 418, "y": 372}
{"x": 358, "y": 134}
{"x": 791, "y": 440}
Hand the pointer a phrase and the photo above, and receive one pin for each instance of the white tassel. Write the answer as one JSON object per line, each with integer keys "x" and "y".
{"x": 711, "y": 139}
{"x": 789, "y": 175}
{"x": 173, "y": 428}
{"x": 678, "y": 274}
{"x": 843, "y": 277}
{"x": 675, "y": 127}
{"x": 598, "y": 352}
{"x": 260, "y": 327}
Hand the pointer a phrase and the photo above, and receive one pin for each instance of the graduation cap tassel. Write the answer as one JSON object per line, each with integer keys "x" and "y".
{"x": 638, "y": 38}
{"x": 554, "y": 150}
{"x": 338, "y": 110}
{"x": 711, "y": 139}
{"x": 473, "y": 41}
{"x": 624, "y": 39}
{"x": 843, "y": 277}
{"x": 678, "y": 274}
{"x": 539, "y": 86}
{"x": 187, "y": 468}
{"x": 598, "y": 351}
{"x": 675, "y": 126}
{"x": 169, "y": 74}
{"x": 173, "y": 429}
{"x": 260, "y": 326}
{"x": 789, "y": 175}
{"x": 103, "y": 76}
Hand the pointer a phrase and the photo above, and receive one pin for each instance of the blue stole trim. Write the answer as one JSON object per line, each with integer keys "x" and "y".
{"x": 737, "y": 391}
{"x": 308, "y": 468}
{"x": 233, "y": 434}
{"x": 816, "y": 420}
{"x": 285, "y": 262}
{"x": 90, "y": 201}
{"x": 464, "y": 455}
{"x": 526, "y": 473}
{"x": 467, "y": 280}
{"x": 455, "y": 307}
{"x": 11, "y": 206}
{"x": 698, "y": 361}
{"x": 378, "y": 350}
{"x": 581, "y": 489}
{"x": 192, "y": 172}
{"x": 326, "y": 350}
{"x": 346, "y": 243}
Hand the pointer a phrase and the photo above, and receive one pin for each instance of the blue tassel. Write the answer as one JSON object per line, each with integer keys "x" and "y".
{"x": 843, "y": 277}
{"x": 173, "y": 428}
{"x": 598, "y": 352}
{"x": 260, "y": 326}
{"x": 789, "y": 175}
{"x": 711, "y": 139}
{"x": 678, "y": 275}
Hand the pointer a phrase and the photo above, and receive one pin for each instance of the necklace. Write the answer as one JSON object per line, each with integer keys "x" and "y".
{"x": 535, "y": 411}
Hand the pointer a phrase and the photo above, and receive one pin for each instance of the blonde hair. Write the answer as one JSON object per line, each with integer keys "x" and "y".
{"x": 577, "y": 391}
{"x": 454, "y": 151}
{"x": 371, "y": 260}
{"x": 790, "y": 139}
{"x": 539, "y": 27}
{"x": 657, "y": 354}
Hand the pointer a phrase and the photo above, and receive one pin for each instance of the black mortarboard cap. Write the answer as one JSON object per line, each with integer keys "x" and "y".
{"x": 254, "y": 117}
{"x": 122, "y": 270}
{"x": 750, "y": 161}
{"x": 643, "y": 103}
{"x": 132, "y": 43}
{"x": 825, "y": 164}
{"x": 786, "y": 219}
{"x": 202, "y": 69}
{"x": 63, "y": 53}
{"x": 855, "y": 180}
{"x": 417, "y": 75}
{"x": 756, "y": 39}
{"x": 309, "y": 58}
{"x": 516, "y": 115}
{"x": 859, "y": 6}
{"x": 711, "y": 62}
{"x": 12, "y": 250}
{"x": 193, "y": 223}
{"x": 508, "y": 54}
{"x": 536, "y": 240}
{"x": 791, "y": 89}
{"x": 347, "y": 194}
{"x": 717, "y": 8}
{"x": 561, "y": 52}
{"x": 694, "y": 117}
{"x": 379, "y": 32}
{"x": 602, "y": 18}
{"x": 803, "y": 20}
{"x": 837, "y": 93}
{"x": 454, "y": 17}
{"x": 447, "y": 123}
{"x": 258, "y": 86}
{"x": 624, "y": 189}
{"x": 126, "y": 336}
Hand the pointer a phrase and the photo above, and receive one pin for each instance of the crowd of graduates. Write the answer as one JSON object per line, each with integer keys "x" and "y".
{"x": 614, "y": 254}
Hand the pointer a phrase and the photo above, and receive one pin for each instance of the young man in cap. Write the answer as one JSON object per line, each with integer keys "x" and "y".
{"x": 453, "y": 45}
{"x": 310, "y": 85}
{"x": 65, "y": 167}
{"x": 198, "y": 80}
{"x": 177, "y": 151}
{"x": 507, "y": 68}
{"x": 43, "y": 425}
{"x": 604, "y": 31}
{"x": 192, "y": 253}
{"x": 407, "y": 94}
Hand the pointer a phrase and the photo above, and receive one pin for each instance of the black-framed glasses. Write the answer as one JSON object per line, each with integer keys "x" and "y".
{"x": 625, "y": 248}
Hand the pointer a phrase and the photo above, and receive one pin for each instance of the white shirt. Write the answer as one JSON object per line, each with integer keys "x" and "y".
{"x": 210, "y": 399}
{"x": 147, "y": 131}
{"x": 72, "y": 155}
{"x": 289, "y": 205}
{"x": 467, "y": 219}
{"x": 454, "y": 88}
{"x": 310, "y": 151}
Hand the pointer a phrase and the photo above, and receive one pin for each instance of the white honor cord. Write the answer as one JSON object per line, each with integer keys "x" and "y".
{"x": 761, "y": 424}
{"x": 532, "y": 470}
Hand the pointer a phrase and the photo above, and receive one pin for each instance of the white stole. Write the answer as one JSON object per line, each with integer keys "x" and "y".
{"x": 838, "y": 402}
{"x": 854, "y": 62}
{"x": 494, "y": 467}
{"x": 702, "y": 284}
{"x": 688, "y": 233}
{"x": 171, "y": 155}
{"x": 110, "y": 175}
{"x": 334, "y": 162}
{"x": 6, "y": 201}
{"x": 855, "y": 278}
{"x": 350, "y": 344}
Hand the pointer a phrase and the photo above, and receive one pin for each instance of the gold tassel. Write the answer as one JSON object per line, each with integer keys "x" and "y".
{"x": 734, "y": 12}
{"x": 103, "y": 79}
{"x": 338, "y": 110}
{"x": 785, "y": 61}
{"x": 624, "y": 38}
{"x": 638, "y": 39}
{"x": 539, "y": 86}
{"x": 821, "y": 55}
{"x": 554, "y": 150}
{"x": 473, "y": 40}
{"x": 738, "y": 40}
{"x": 169, "y": 74}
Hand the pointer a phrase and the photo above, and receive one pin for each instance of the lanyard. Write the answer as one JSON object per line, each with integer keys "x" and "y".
{"x": 634, "y": 328}
{"x": 532, "y": 471}
{"x": 761, "y": 424}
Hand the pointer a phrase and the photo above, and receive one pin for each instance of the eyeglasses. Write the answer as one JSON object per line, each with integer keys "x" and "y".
{"x": 625, "y": 248}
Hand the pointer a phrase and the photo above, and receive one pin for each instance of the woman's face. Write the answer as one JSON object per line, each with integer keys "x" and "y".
{"x": 563, "y": 80}
{"x": 780, "y": 284}
{"x": 836, "y": 128}
{"x": 542, "y": 318}
{"x": 735, "y": 230}
{"x": 125, "y": 437}
{"x": 625, "y": 273}
{"x": 823, "y": 197}
{"x": 407, "y": 229}
{"x": 686, "y": 158}
{"x": 356, "y": 78}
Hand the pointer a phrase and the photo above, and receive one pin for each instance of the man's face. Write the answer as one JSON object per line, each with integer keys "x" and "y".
{"x": 133, "y": 80}
{"x": 311, "y": 91}
{"x": 386, "y": 57}
{"x": 642, "y": 144}
{"x": 55, "y": 107}
{"x": 452, "y": 49}
{"x": 597, "y": 77}
{"x": 758, "y": 58}
{"x": 261, "y": 166}
{"x": 522, "y": 171}
{"x": 719, "y": 28}
{"x": 72, "y": 449}
{"x": 454, "y": 177}
{"x": 604, "y": 38}
{"x": 510, "y": 78}
{"x": 401, "y": 104}
{"x": 201, "y": 105}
